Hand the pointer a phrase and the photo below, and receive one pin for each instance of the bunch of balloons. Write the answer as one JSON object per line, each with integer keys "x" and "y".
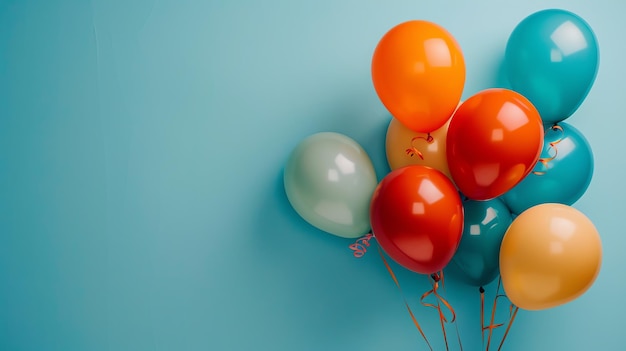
{"x": 485, "y": 184}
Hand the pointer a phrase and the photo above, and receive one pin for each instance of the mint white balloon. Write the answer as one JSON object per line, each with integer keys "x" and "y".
{"x": 329, "y": 180}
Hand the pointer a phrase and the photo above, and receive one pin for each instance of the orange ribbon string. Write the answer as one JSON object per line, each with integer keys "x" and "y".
{"x": 436, "y": 278}
{"x": 456, "y": 325}
{"x": 546, "y": 160}
{"x": 413, "y": 150}
{"x": 361, "y": 245}
{"x": 458, "y": 336}
{"x": 482, "y": 313}
{"x": 506, "y": 332}
{"x": 395, "y": 280}
{"x": 491, "y": 325}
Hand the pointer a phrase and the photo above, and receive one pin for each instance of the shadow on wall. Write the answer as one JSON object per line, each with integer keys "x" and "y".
{"x": 490, "y": 74}
{"x": 499, "y": 78}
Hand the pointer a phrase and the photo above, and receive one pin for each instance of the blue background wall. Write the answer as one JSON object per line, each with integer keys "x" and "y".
{"x": 141, "y": 152}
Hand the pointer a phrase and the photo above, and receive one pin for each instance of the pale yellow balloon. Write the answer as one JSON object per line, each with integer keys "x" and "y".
{"x": 405, "y": 147}
{"x": 550, "y": 255}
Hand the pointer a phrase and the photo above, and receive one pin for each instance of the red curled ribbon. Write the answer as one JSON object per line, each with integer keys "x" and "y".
{"x": 413, "y": 150}
{"x": 546, "y": 160}
{"x": 361, "y": 245}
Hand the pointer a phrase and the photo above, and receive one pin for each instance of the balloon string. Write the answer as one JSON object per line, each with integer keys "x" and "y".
{"x": 491, "y": 325}
{"x": 413, "y": 150}
{"x": 436, "y": 278}
{"x": 458, "y": 336}
{"x": 393, "y": 276}
{"x": 546, "y": 160}
{"x": 456, "y": 325}
{"x": 361, "y": 245}
{"x": 506, "y": 332}
{"x": 482, "y": 313}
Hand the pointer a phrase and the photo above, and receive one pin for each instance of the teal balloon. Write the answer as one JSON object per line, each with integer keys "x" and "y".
{"x": 329, "y": 180}
{"x": 477, "y": 260}
{"x": 563, "y": 176}
{"x": 552, "y": 59}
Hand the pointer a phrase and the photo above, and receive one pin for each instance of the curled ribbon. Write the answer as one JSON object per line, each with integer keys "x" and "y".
{"x": 436, "y": 278}
{"x": 413, "y": 150}
{"x": 456, "y": 325}
{"x": 361, "y": 245}
{"x": 546, "y": 160}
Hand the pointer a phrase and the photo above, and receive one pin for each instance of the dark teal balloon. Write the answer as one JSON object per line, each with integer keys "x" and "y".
{"x": 563, "y": 179}
{"x": 552, "y": 59}
{"x": 477, "y": 258}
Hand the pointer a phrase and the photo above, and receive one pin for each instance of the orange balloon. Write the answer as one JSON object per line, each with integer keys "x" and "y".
{"x": 418, "y": 71}
{"x": 550, "y": 255}
{"x": 405, "y": 147}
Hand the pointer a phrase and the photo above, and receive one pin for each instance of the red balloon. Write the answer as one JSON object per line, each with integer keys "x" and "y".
{"x": 417, "y": 218}
{"x": 494, "y": 140}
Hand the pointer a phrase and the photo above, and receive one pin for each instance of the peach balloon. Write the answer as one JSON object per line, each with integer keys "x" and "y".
{"x": 550, "y": 255}
{"x": 405, "y": 147}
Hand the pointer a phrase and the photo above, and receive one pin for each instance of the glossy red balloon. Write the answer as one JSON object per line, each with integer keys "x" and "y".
{"x": 417, "y": 218}
{"x": 494, "y": 140}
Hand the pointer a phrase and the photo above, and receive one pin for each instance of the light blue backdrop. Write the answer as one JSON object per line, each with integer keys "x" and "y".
{"x": 141, "y": 152}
